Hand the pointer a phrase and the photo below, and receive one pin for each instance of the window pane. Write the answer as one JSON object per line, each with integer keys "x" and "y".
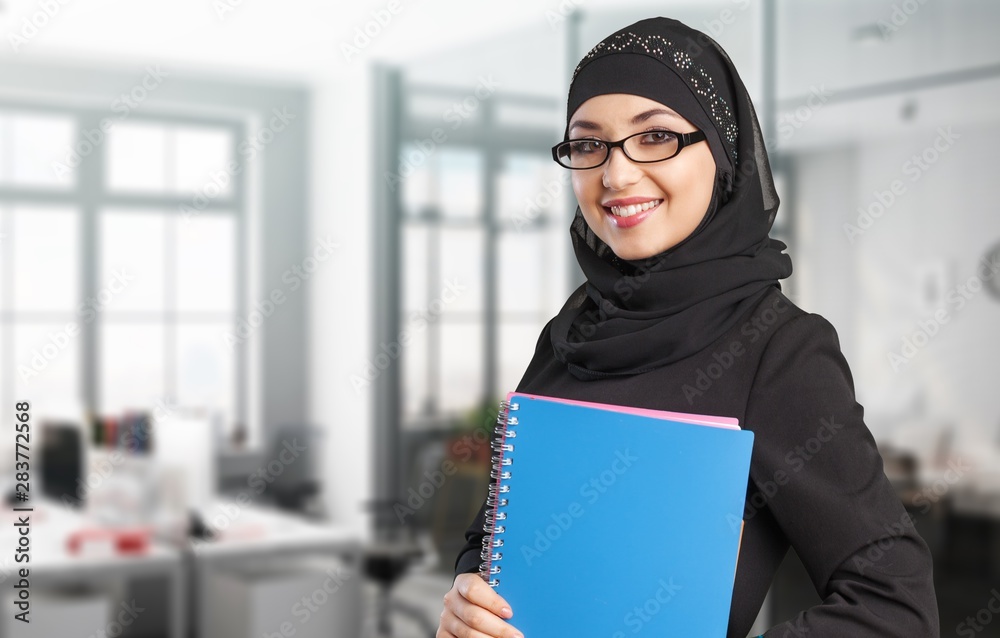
{"x": 6, "y": 370}
{"x": 461, "y": 365}
{"x": 555, "y": 249}
{"x": 132, "y": 248}
{"x": 460, "y": 287}
{"x": 47, "y": 365}
{"x": 517, "y": 345}
{"x": 137, "y": 157}
{"x": 531, "y": 188}
{"x": 206, "y": 275}
{"x": 523, "y": 259}
{"x": 42, "y": 150}
{"x": 201, "y": 161}
{"x": 530, "y": 115}
{"x": 45, "y": 259}
{"x": 461, "y": 183}
{"x": 6, "y": 148}
{"x": 6, "y": 251}
{"x": 413, "y": 176}
{"x": 132, "y": 366}
{"x": 415, "y": 382}
{"x": 415, "y": 266}
{"x": 205, "y": 369}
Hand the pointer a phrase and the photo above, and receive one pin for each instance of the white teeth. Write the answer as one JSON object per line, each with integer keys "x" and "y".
{"x": 628, "y": 211}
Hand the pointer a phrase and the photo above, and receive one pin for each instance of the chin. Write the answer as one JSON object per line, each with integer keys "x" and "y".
{"x": 635, "y": 254}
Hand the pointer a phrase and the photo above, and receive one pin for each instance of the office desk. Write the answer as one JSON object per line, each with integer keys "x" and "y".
{"x": 52, "y": 564}
{"x": 255, "y": 533}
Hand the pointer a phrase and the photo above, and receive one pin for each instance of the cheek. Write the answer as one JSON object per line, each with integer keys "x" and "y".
{"x": 585, "y": 187}
{"x": 693, "y": 183}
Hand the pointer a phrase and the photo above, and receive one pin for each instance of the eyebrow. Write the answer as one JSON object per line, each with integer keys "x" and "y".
{"x": 638, "y": 119}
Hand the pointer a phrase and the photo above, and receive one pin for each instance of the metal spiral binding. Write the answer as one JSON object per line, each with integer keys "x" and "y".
{"x": 500, "y": 444}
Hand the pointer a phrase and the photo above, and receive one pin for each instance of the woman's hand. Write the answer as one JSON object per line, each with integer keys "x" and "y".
{"x": 473, "y": 610}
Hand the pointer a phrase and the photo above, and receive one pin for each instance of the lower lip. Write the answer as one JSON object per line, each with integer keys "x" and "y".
{"x": 628, "y": 222}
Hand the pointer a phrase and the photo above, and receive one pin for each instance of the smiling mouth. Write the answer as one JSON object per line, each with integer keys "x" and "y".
{"x": 634, "y": 209}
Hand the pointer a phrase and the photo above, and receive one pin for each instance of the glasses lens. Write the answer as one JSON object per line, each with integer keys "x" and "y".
{"x": 582, "y": 153}
{"x": 651, "y": 146}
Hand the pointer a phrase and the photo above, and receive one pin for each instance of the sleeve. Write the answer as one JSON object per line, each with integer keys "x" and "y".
{"x": 818, "y": 463}
{"x": 469, "y": 556}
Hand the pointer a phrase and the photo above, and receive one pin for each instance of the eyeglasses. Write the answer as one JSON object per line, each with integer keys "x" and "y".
{"x": 644, "y": 148}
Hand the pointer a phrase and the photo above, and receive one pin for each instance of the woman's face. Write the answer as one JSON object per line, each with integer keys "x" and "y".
{"x": 682, "y": 185}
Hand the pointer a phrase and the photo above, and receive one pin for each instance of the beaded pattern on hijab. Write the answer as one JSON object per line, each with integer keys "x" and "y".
{"x": 699, "y": 79}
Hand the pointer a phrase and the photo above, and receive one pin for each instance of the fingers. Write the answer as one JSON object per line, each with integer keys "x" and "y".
{"x": 474, "y": 589}
{"x": 474, "y": 610}
{"x": 453, "y": 626}
{"x": 485, "y": 625}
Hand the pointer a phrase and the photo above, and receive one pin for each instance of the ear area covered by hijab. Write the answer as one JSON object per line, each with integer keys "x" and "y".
{"x": 631, "y": 316}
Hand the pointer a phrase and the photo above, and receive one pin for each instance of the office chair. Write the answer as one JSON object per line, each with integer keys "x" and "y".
{"x": 404, "y": 543}
{"x": 385, "y": 561}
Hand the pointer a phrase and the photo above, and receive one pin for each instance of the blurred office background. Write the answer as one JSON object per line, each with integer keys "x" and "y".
{"x": 275, "y": 263}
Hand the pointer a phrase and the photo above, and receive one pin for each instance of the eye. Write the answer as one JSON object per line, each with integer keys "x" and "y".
{"x": 584, "y": 147}
{"x": 658, "y": 137}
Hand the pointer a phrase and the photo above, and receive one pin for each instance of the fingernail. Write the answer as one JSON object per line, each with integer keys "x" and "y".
{"x": 507, "y": 612}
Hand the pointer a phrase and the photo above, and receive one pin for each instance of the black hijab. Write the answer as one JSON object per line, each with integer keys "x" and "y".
{"x": 631, "y": 316}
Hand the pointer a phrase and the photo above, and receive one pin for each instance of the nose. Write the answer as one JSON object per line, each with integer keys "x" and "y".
{"x": 619, "y": 171}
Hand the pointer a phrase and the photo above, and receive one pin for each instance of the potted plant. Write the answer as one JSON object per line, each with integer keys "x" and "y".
{"x": 472, "y": 432}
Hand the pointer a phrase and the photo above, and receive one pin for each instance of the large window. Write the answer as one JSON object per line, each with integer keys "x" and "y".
{"x": 484, "y": 252}
{"x": 121, "y": 264}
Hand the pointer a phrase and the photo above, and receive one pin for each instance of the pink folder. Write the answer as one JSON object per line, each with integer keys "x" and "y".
{"x": 729, "y": 423}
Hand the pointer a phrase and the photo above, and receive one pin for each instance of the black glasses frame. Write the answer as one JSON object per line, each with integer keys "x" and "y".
{"x": 683, "y": 139}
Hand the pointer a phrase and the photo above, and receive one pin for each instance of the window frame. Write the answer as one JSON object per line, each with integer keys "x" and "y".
{"x": 91, "y": 196}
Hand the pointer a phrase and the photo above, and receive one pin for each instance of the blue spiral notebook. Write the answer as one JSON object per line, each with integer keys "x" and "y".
{"x": 612, "y": 522}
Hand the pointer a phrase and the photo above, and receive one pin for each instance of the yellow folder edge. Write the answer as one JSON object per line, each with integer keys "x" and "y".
{"x": 739, "y": 544}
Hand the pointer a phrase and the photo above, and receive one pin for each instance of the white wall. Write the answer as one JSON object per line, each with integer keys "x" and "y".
{"x": 900, "y": 270}
{"x": 340, "y": 299}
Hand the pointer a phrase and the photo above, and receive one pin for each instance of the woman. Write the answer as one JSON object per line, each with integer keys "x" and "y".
{"x": 682, "y": 311}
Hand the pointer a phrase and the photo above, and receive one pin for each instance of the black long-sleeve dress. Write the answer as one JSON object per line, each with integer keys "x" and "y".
{"x": 816, "y": 478}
